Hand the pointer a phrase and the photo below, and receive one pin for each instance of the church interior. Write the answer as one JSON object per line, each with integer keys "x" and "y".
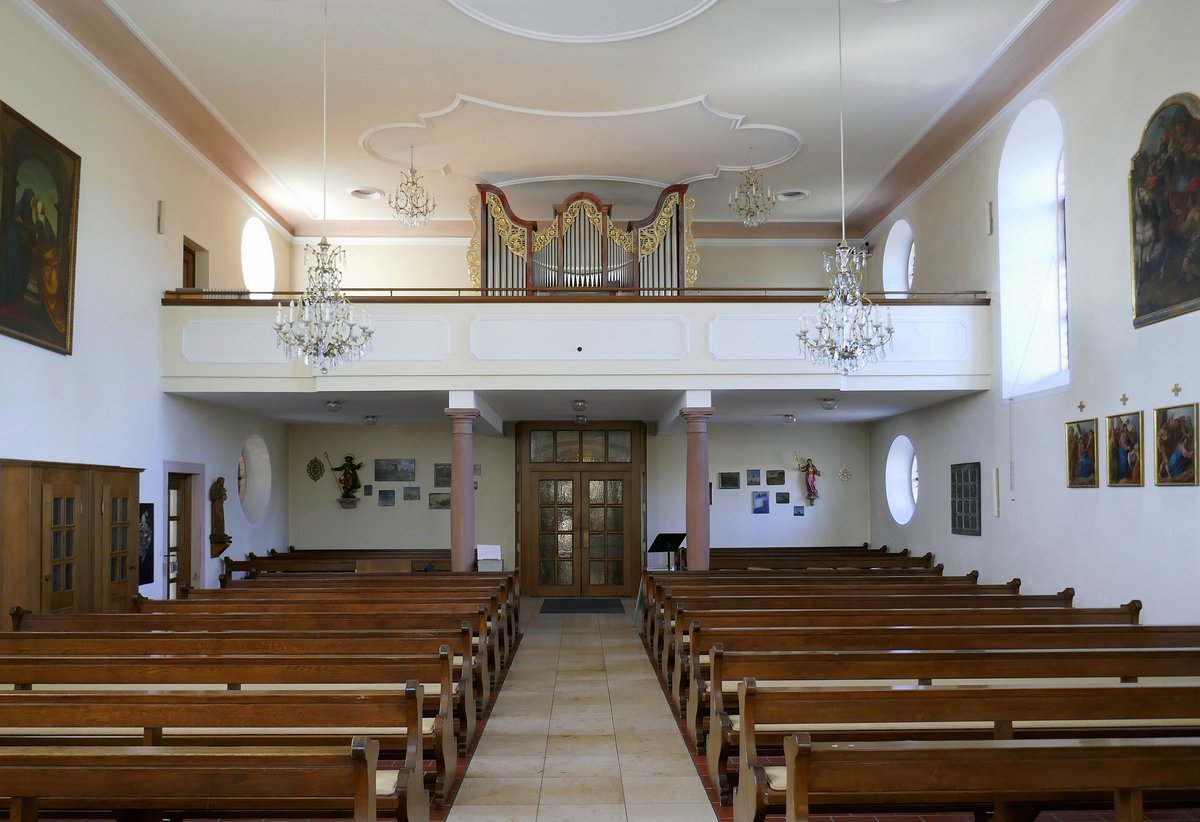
{"x": 686, "y": 306}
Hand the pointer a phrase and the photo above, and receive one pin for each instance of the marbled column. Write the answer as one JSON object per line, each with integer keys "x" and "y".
{"x": 462, "y": 488}
{"x": 697, "y": 487}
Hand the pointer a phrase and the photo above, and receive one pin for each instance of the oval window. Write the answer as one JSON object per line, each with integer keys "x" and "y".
{"x": 254, "y": 478}
{"x": 900, "y": 480}
{"x": 258, "y": 260}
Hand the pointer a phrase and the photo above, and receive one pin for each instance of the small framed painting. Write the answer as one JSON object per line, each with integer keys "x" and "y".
{"x": 775, "y": 476}
{"x": 145, "y": 543}
{"x": 395, "y": 470}
{"x": 729, "y": 479}
{"x": 387, "y": 498}
{"x": 760, "y": 502}
{"x": 439, "y": 502}
{"x": 797, "y": 510}
{"x": 1175, "y": 445}
{"x": 753, "y": 476}
{"x": 1125, "y": 453}
{"x": 1082, "y": 471}
{"x": 441, "y": 475}
{"x": 411, "y": 492}
{"x": 783, "y": 497}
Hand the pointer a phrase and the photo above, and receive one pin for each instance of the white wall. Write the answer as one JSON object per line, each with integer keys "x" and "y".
{"x": 1110, "y": 544}
{"x": 318, "y": 521}
{"x": 104, "y": 403}
{"x": 835, "y": 519}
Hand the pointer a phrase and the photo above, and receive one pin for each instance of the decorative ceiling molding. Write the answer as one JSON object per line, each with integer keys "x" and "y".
{"x": 560, "y": 137}
{"x": 582, "y": 21}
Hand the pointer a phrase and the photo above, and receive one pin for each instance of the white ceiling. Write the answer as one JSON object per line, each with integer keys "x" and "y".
{"x": 548, "y": 97}
{"x": 545, "y": 97}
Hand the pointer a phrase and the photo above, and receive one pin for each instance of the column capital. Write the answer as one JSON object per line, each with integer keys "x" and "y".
{"x": 462, "y": 418}
{"x": 697, "y": 418}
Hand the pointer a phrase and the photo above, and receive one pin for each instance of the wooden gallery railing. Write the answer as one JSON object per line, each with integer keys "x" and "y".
{"x": 582, "y": 249}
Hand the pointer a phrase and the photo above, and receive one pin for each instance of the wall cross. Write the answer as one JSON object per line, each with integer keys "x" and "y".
{"x": 1175, "y": 389}
{"x": 1124, "y": 399}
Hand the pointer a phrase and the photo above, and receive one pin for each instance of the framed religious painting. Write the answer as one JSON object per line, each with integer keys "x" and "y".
{"x": 1164, "y": 208}
{"x": 1082, "y": 468}
{"x": 39, "y": 204}
{"x": 1175, "y": 445}
{"x": 1126, "y": 457}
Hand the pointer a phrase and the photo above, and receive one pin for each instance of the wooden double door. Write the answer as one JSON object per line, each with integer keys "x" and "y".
{"x": 581, "y": 509}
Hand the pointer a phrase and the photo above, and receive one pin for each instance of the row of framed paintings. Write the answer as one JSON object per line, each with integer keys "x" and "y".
{"x": 1126, "y": 460}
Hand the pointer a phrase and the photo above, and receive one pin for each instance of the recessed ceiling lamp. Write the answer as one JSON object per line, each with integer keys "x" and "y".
{"x": 793, "y": 195}
{"x": 829, "y": 403}
{"x": 846, "y": 334}
{"x": 325, "y": 332}
{"x": 366, "y": 193}
{"x": 333, "y": 406}
{"x": 580, "y": 405}
{"x": 411, "y": 203}
{"x": 789, "y": 417}
{"x": 370, "y": 419}
{"x": 581, "y": 419}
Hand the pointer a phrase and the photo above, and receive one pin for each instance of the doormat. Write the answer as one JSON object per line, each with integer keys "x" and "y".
{"x": 583, "y": 605}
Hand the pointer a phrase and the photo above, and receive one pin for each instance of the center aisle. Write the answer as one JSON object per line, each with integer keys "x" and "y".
{"x": 580, "y": 731}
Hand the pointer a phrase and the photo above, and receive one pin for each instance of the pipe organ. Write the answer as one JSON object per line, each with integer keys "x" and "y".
{"x": 581, "y": 249}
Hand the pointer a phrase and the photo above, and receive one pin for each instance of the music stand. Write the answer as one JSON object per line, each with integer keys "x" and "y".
{"x": 667, "y": 543}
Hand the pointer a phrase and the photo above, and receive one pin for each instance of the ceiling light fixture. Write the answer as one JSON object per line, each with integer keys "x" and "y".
{"x": 411, "y": 202}
{"x": 370, "y": 419}
{"x": 751, "y": 201}
{"x": 789, "y": 417}
{"x": 580, "y": 405}
{"x": 829, "y": 403}
{"x": 580, "y": 419}
{"x": 325, "y": 333}
{"x": 333, "y": 406}
{"x": 846, "y": 334}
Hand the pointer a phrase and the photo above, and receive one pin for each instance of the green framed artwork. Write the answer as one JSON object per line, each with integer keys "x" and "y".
{"x": 39, "y": 204}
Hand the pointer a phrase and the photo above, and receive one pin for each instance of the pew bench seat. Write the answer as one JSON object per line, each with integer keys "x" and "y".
{"x": 965, "y": 773}
{"x": 231, "y": 781}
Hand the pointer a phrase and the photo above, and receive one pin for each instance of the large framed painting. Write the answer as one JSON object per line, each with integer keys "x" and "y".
{"x": 1125, "y": 454}
{"x": 39, "y": 203}
{"x": 1175, "y": 445}
{"x": 1082, "y": 470}
{"x": 1164, "y": 206}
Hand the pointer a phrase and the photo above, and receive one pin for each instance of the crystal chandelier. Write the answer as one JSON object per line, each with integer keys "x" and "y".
{"x": 411, "y": 202}
{"x": 847, "y": 333}
{"x": 324, "y": 331}
{"x": 750, "y": 200}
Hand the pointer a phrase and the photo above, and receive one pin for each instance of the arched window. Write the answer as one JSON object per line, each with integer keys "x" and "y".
{"x": 899, "y": 259}
{"x": 1031, "y": 194}
{"x": 258, "y": 259}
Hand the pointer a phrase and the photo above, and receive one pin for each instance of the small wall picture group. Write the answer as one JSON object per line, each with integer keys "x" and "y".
{"x": 1169, "y": 455}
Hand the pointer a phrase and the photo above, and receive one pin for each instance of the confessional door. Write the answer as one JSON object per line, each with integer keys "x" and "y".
{"x": 580, "y": 523}
{"x": 65, "y": 542}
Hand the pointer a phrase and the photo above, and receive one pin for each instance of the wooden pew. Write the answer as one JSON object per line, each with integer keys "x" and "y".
{"x": 1030, "y": 709}
{"x": 673, "y": 639}
{"x": 917, "y": 667}
{"x": 655, "y": 585}
{"x": 930, "y": 637}
{"x": 802, "y": 560}
{"x": 660, "y": 619}
{"x": 1126, "y": 614}
{"x": 246, "y": 672}
{"x": 506, "y": 585}
{"x": 492, "y": 627}
{"x": 263, "y": 643}
{"x": 970, "y": 772}
{"x": 208, "y": 780}
{"x": 272, "y": 623}
{"x": 281, "y": 719}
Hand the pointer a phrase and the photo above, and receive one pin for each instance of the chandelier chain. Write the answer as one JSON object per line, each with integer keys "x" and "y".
{"x": 323, "y": 330}
{"x": 846, "y": 332}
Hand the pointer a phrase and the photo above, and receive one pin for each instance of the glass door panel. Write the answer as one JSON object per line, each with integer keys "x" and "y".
{"x": 556, "y": 534}
{"x": 64, "y": 537}
{"x": 607, "y": 536}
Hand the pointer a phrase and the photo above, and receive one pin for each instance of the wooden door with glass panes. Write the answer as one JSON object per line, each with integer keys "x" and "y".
{"x": 117, "y": 547}
{"x": 65, "y": 541}
{"x": 581, "y": 504}
{"x": 179, "y": 530}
